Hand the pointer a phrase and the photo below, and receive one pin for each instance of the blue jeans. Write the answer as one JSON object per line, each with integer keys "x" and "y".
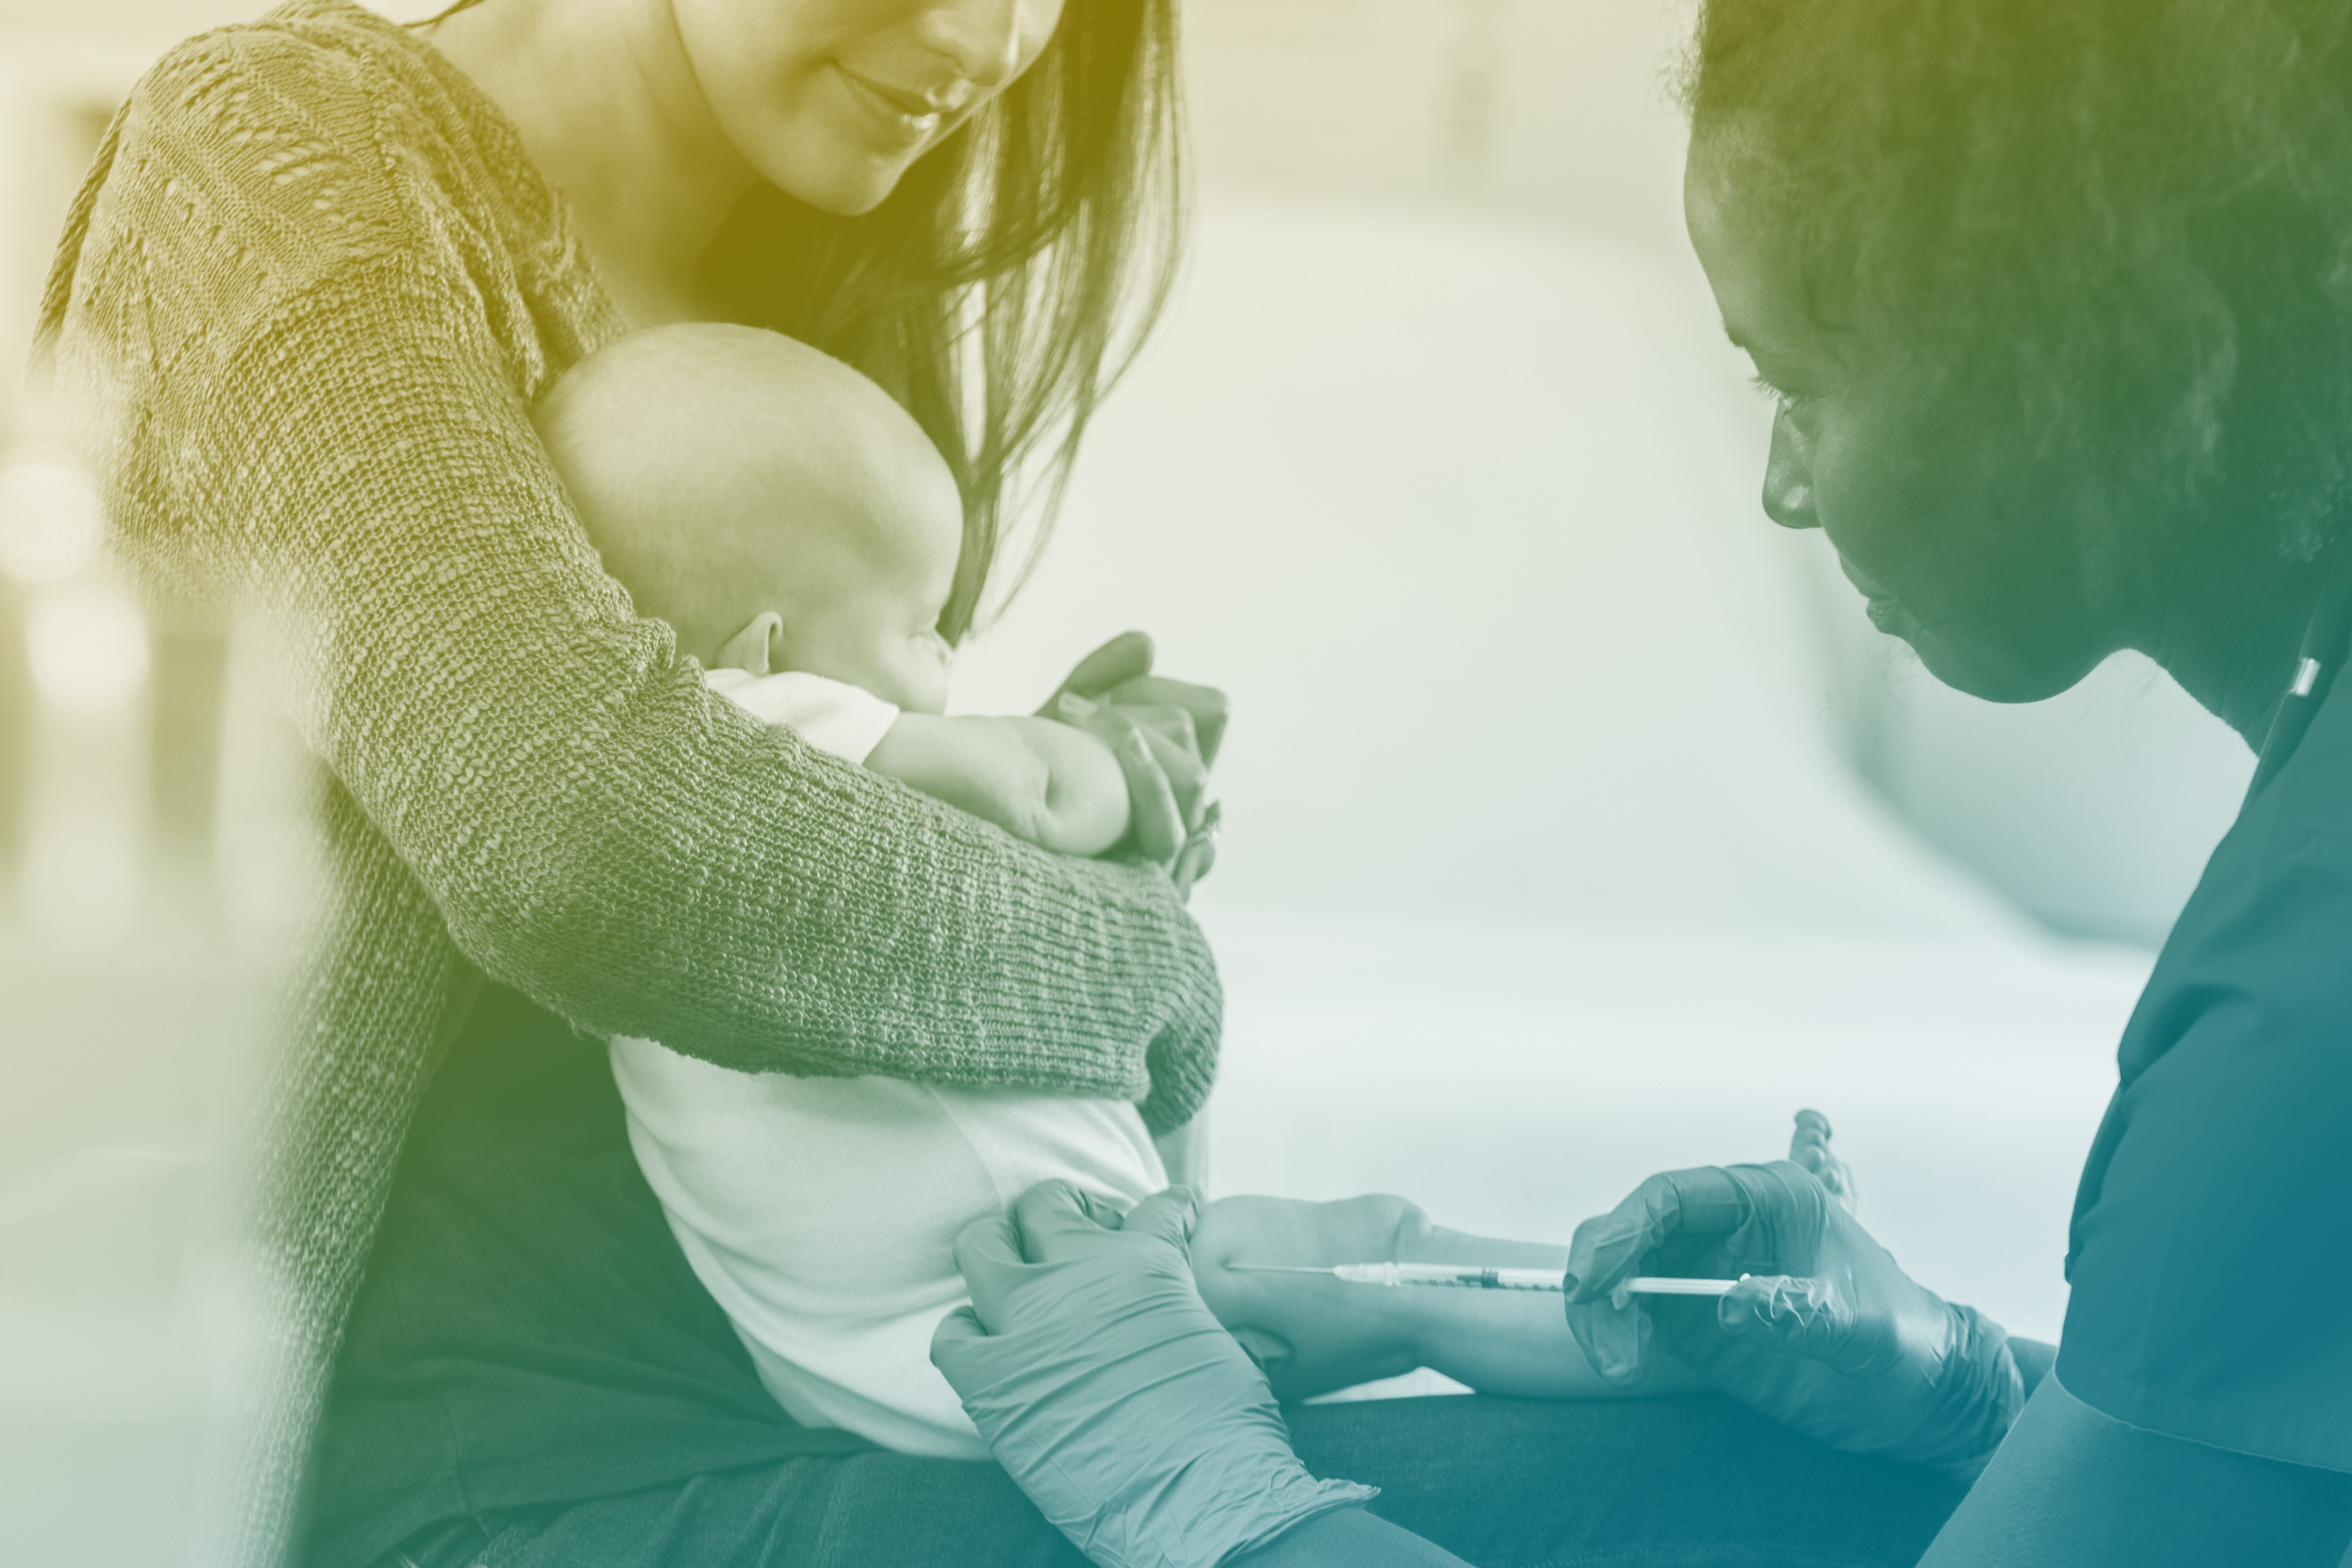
{"x": 1695, "y": 1482}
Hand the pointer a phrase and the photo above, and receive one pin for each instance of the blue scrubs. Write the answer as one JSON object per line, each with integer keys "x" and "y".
{"x": 2212, "y": 1250}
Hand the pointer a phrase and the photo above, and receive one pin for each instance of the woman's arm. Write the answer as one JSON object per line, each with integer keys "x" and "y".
{"x": 298, "y": 378}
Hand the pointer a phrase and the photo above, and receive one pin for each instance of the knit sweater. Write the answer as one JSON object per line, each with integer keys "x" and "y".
{"x": 300, "y": 310}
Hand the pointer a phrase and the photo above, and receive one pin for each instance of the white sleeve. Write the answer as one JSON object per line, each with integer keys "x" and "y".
{"x": 832, "y": 715}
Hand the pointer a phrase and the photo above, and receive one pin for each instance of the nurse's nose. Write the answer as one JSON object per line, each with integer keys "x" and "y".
{"x": 1789, "y": 477}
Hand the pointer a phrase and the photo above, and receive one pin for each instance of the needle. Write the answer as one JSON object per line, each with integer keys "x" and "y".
{"x": 1470, "y": 1276}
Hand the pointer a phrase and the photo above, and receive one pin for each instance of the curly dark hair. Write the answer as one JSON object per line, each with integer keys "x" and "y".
{"x": 2127, "y": 223}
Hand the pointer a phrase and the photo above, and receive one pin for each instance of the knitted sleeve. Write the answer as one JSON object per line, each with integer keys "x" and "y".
{"x": 345, "y": 440}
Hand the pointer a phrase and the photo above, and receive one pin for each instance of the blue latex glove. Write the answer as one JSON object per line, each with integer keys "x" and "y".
{"x": 1827, "y": 1334}
{"x": 1109, "y": 1392}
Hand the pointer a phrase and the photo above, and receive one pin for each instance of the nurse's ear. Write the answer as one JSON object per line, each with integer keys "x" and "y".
{"x": 753, "y": 649}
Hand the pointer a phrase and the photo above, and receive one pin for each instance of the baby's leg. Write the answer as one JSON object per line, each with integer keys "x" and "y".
{"x": 1316, "y": 1333}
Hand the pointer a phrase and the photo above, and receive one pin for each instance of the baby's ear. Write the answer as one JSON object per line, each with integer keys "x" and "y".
{"x": 753, "y": 649}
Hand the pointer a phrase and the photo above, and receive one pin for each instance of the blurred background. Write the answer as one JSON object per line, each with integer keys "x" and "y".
{"x": 1578, "y": 823}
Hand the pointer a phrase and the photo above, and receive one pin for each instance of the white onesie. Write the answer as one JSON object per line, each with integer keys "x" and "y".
{"x": 820, "y": 1212}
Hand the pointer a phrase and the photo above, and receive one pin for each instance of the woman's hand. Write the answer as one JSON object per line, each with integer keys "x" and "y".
{"x": 1823, "y": 1333}
{"x": 1110, "y": 1394}
{"x": 1165, "y": 734}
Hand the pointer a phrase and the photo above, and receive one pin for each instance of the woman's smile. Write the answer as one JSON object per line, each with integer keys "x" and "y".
{"x": 909, "y": 118}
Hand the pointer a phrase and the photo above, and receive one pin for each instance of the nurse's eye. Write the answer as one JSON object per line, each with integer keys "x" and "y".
{"x": 1787, "y": 401}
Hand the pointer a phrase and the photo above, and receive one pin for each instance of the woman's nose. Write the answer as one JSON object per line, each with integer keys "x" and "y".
{"x": 1789, "y": 477}
{"x": 986, "y": 40}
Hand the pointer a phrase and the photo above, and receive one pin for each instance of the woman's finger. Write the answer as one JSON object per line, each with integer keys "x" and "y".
{"x": 1166, "y": 720}
{"x": 1126, "y": 657}
{"x": 1175, "y": 743}
{"x": 1154, "y": 817}
{"x": 1197, "y": 858}
{"x": 1157, "y": 817}
{"x": 1187, "y": 776}
{"x": 1205, "y": 704}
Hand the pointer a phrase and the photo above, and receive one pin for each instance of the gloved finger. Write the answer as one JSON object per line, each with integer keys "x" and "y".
{"x": 1797, "y": 1316}
{"x": 1124, "y": 658}
{"x": 1615, "y": 1339}
{"x": 1101, "y": 1209}
{"x": 988, "y": 1254}
{"x": 1790, "y": 1208}
{"x": 1170, "y": 1215}
{"x": 1810, "y": 1141}
{"x": 1809, "y": 1148}
{"x": 964, "y": 1352}
{"x": 1704, "y": 1202}
{"x": 1271, "y": 1352}
{"x": 1053, "y": 1219}
{"x": 958, "y": 1328}
{"x": 1205, "y": 704}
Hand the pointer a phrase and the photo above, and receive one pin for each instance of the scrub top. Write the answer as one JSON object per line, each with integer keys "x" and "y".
{"x": 2211, "y": 1246}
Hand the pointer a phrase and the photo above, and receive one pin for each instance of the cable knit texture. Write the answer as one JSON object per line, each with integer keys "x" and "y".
{"x": 300, "y": 310}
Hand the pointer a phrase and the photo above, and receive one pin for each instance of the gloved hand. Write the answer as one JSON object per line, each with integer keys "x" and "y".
{"x": 1109, "y": 1392}
{"x": 1826, "y": 1334}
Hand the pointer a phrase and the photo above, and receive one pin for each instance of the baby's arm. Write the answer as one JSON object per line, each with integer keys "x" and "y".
{"x": 1057, "y": 786}
{"x": 1327, "y": 1334}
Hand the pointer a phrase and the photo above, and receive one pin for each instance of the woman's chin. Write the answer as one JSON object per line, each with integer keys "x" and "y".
{"x": 842, "y": 175}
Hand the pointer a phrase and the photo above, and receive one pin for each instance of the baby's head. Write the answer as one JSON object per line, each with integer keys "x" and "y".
{"x": 777, "y": 508}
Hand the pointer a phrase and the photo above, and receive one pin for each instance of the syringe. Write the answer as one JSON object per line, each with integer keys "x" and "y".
{"x": 1465, "y": 1276}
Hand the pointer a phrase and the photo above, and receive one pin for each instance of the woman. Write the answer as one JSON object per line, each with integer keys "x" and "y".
{"x": 322, "y": 269}
{"x": 2055, "y": 300}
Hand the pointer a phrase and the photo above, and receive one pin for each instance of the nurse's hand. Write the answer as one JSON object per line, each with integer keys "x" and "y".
{"x": 1824, "y": 1334}
{"x": 1165, "y": 734}
{"x": 1111, "y": 1395}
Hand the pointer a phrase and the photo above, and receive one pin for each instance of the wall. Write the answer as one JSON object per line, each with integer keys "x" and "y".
{"x": 2092, "y": 812}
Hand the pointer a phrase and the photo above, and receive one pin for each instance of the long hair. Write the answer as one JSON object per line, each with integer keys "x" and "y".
{"x": 1007, "y": 282}
{"x": 2126, "y": 224}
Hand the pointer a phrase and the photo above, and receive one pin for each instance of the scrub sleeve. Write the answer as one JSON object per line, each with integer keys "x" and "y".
{"x": 2211, "y": 1248}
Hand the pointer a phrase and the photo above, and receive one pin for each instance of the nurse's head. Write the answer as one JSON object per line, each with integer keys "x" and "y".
{"x": 2055, "y": 299}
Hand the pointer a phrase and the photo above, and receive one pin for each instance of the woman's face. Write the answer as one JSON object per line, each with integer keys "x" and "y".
{"x": 830, "y": 100}
{"x": 1972, "y": 545}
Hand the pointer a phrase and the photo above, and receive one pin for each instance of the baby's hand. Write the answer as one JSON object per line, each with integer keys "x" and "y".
{"x": 1312, "y": 1332}
{"x": 1054, "y": 785}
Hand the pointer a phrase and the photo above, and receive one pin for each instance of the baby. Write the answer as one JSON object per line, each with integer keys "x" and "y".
{"x": 800, "y": 534}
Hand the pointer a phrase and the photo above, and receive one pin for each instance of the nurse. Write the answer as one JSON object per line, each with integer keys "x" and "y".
{"x": 2055, "y": 300}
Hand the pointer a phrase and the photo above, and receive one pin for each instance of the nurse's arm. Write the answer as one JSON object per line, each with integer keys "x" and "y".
{"x": 2074, "y": 1486}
